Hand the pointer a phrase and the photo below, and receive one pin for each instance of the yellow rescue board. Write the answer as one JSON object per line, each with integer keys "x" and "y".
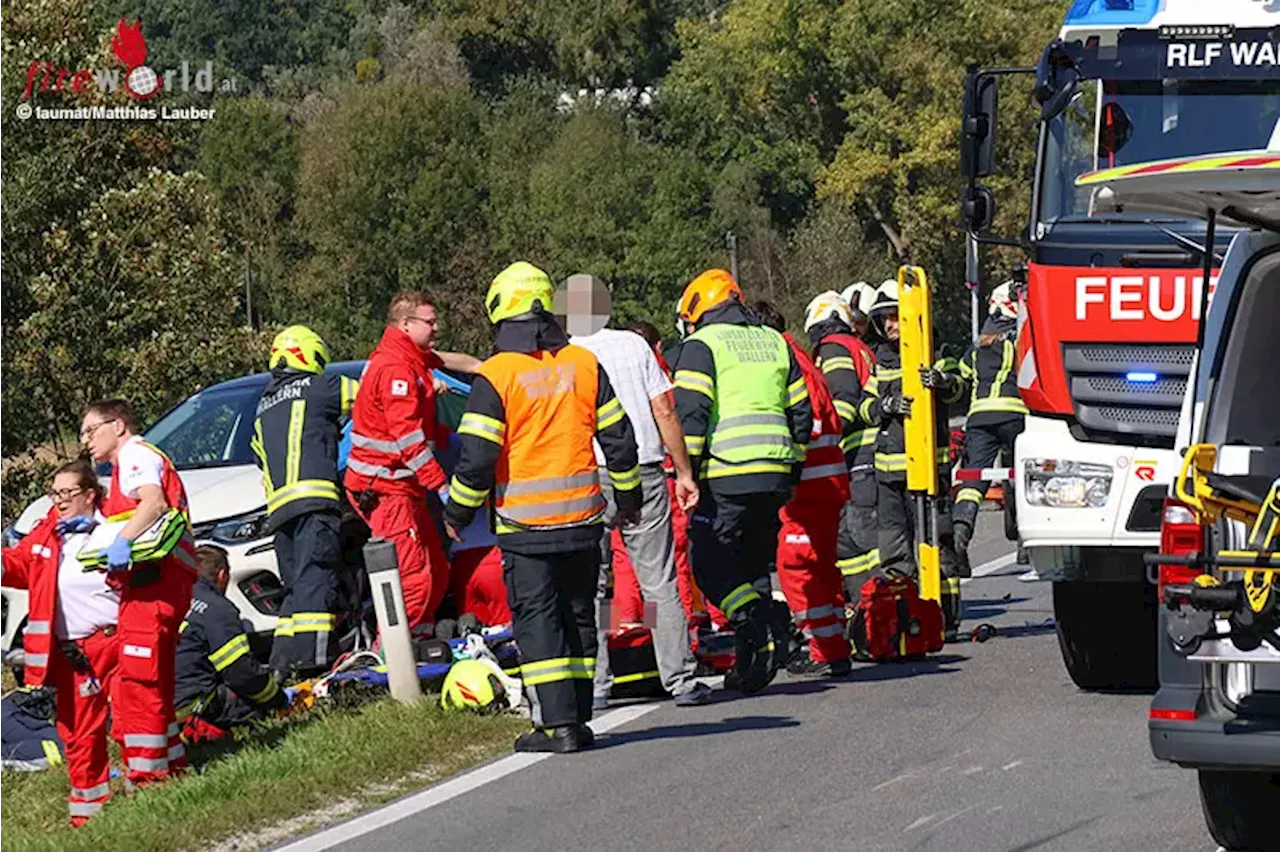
{"x": 915, "y": 324}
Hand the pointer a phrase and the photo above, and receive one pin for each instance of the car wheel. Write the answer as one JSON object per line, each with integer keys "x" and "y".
{"x": 1239, "y": 807}
{"x": 1107, "y": 633}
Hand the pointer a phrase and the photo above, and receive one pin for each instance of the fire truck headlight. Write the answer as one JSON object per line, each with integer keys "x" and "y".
{"x": 1066, "y": 484}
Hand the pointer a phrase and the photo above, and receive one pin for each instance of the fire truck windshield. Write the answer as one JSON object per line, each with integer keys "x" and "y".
{"x": 1121, "y": 122}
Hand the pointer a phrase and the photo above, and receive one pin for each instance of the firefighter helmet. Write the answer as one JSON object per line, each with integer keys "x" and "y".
{"x": 299, "y": 348}
{"x": 474, "y": 685}
{"x": 885, "y": 298}
{"x": 708, "y": 291}
{"x": 853, "y": 295}
{"x": 518, "y": 291}
{"x": 826, "y": 306}
{"x": 1001, "y": 303}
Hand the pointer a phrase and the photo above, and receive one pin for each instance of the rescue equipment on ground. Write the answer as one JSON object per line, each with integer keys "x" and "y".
{"x": 892, "y": 622}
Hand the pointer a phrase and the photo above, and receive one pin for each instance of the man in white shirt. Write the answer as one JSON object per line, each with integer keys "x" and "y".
{"x": 583, "y": 304}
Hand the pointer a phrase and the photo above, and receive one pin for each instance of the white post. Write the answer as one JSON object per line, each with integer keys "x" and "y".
{"x": 393, "y": 624}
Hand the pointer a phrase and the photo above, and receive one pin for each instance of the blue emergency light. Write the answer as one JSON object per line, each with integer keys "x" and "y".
{"x": 1142, "y": 378}
{"x": 1111, "y": 12}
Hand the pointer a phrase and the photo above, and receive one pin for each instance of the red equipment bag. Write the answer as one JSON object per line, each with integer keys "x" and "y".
{"x": 892, "y": 621}
{"x": 634, "y": 664}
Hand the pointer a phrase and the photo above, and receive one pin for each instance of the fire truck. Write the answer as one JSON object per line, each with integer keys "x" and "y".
{"x": 1112, "y": 301}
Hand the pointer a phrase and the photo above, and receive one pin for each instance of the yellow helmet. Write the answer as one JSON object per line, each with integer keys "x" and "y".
{"x": 516, "y": 291}
{"x": 825, "y": 306}
{"x": 299, "y": 348}
{"x": 708, "y": 291}
{"x": 474, "y": 685}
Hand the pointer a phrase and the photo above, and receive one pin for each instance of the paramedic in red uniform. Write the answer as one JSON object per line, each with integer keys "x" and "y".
{"x": 392, "y": 469}
{"x": 806, "y": 560}
{"x": 154, "y": 596}
{"x": 71, "y": 641}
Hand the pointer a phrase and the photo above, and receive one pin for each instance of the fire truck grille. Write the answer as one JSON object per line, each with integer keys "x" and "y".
{"x": 1129, "y": 390}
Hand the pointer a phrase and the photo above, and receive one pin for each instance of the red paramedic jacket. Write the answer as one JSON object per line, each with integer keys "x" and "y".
{"x": 116, "y": 506}
{"x": 393, "y": 422}
{"x": 32, "y": 564}
{"x": 825, "y": 476}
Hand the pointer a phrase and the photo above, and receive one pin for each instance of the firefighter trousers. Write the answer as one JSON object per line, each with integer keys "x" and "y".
{"x": 809, "y": 578}
{"x": 982, "y": 444}
{"x": 309, "y": 556}
{"x": 406, "y": 521}
{"x": 142, "y": 705}
{"x": 553, "y": 607}
{"x": 896, "y": 513}
{"x": 857, "y": 547}
{"x": 81, "y": 689}
{"x": 733, "y": 538}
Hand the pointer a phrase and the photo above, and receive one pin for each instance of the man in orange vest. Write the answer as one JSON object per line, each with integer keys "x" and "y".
{"x": 806, "y": 562}
{"x": 526, "y": 438}
{"x": 154, "y": 596}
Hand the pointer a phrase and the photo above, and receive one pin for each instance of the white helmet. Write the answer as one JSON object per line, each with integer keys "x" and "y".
{"x": 1000, "y": 302}
{"x": 853, "y": 295}
{"x": 825, "y": 306}
{"x": 884, "y": 297}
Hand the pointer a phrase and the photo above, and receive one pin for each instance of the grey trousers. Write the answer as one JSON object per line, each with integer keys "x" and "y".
{"x": 652, "y": 550}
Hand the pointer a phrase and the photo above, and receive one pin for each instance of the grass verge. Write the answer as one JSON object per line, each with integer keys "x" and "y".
{"x": 349, "y": 758}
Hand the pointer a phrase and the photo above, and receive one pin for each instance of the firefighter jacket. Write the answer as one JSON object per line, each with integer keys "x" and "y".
{"x": 991, "y": 374}
{"x": 295, "y": 439}
{"x": 847, "y": 362}
{"x": 32, "y": 564}
{"x": 742, "y": 401}
{"x": 526, "y": 440}
{"x": 825, "y": 477}
{"x": 891, "y": 447}
{"x": 213, "y": 649}
{"x": 393, "y": 422}
{"x": 119, "y": 506}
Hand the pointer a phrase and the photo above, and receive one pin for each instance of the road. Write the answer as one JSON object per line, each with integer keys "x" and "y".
{"x": 987, "y": 746}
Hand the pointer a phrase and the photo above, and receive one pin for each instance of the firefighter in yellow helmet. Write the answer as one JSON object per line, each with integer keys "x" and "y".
{"x": 534, "y": 408}
{"x": 742, "y": 401}
{"x": 295, "y": 440}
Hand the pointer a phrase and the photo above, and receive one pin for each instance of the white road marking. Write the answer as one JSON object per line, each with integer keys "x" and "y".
{"x": 438, "y": 795}
{"x": 924, "y": 820}
{"x": 903, "y": 777}
{"x": 1000, "y": 562}
{"x": 1009, "y": 766}
{"x": 972, "y": 770}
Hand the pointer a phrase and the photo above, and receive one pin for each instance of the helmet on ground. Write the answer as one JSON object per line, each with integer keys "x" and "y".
{"x": 853, "y": 294}
{"x": 474, "y": 685}
{"x": 1000, "y": 302}
{"x": 518, "y": 291}
{"x": 299, "y": 348}
{"x": 708, "y": 291}
{"x": 826, "y": 306}
{"x": 885, "y": 298}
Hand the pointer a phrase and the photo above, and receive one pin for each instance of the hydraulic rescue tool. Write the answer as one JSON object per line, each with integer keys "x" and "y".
{"x": 1237, "y": 585}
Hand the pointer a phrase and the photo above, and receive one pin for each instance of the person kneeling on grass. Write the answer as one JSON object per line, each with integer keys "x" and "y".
{"x": 220, "y": 685}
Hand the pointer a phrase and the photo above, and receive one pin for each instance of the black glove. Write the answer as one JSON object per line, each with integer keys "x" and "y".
{"x": 932, "y": 377}
{"x": 896, "y": 406}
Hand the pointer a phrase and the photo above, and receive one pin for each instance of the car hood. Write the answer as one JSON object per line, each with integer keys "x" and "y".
{"x": 212, "y": 492}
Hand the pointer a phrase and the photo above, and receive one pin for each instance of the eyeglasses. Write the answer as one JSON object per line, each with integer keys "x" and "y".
{"x": 61, "y": 494}
{"x": 432, "y": 321}
{"x": 87, "y": 432}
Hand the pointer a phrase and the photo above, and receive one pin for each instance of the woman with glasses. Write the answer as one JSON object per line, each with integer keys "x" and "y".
{"x": 71, "y": 643}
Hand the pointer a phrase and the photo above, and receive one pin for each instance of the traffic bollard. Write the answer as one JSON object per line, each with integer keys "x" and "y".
{"x": 393, "y": 624}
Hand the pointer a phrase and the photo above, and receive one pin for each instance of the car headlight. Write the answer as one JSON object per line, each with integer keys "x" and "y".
{"x": 1066, "y": 484}
{"x": 247, "y": 527}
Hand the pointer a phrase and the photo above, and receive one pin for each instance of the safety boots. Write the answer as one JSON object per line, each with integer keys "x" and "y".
{"x": 755, "y": 658}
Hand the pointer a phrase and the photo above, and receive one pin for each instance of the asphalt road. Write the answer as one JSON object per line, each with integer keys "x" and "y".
{"x": 984, "y": 747}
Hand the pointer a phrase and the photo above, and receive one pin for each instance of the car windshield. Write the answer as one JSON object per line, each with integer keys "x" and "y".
{"x": 210, "y": 429}
{"x": 1121, "y": 122}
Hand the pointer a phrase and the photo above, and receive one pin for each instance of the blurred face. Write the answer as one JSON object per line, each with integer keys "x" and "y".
{"x": 860, "y": 327}
{"x": 421, "y": 326}
{"x": 69, "y": 498}
{"x": 102, "y": 436}
{"x": 891, "y": 325}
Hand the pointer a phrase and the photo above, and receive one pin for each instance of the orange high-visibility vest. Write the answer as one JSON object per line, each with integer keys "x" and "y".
{"x": 546, "y": 476}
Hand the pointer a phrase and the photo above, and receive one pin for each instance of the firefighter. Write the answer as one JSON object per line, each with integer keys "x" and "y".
{"x": 847, "y": 364}
{"x": 806, "y": 556}
{"x": 296, "y": 443}
{"x": 854, "y": 296}
{"x": 154, "y": 596}
{"x": 742, "y": 402}
{"x": 392, "y": 470}
{"x": 219, "y": 681}
{"x": 526, "y": 437}
{"x": 884, "y": 403}
{"x": 71, "y": 641}
{"x": 996, "y": 411}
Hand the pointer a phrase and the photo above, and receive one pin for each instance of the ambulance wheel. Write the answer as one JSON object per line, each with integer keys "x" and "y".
{"x": 1239, "y": 807}
{"x": 1107, "y": 633}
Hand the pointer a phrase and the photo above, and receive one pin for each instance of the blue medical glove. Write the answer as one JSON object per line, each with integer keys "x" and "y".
{"x": 120, "y": 554}
{"x": 290, "y": 696}
{"x": 78, "y": 524}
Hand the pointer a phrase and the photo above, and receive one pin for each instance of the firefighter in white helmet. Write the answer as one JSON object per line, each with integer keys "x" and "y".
{"x": 854, "y": 295}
